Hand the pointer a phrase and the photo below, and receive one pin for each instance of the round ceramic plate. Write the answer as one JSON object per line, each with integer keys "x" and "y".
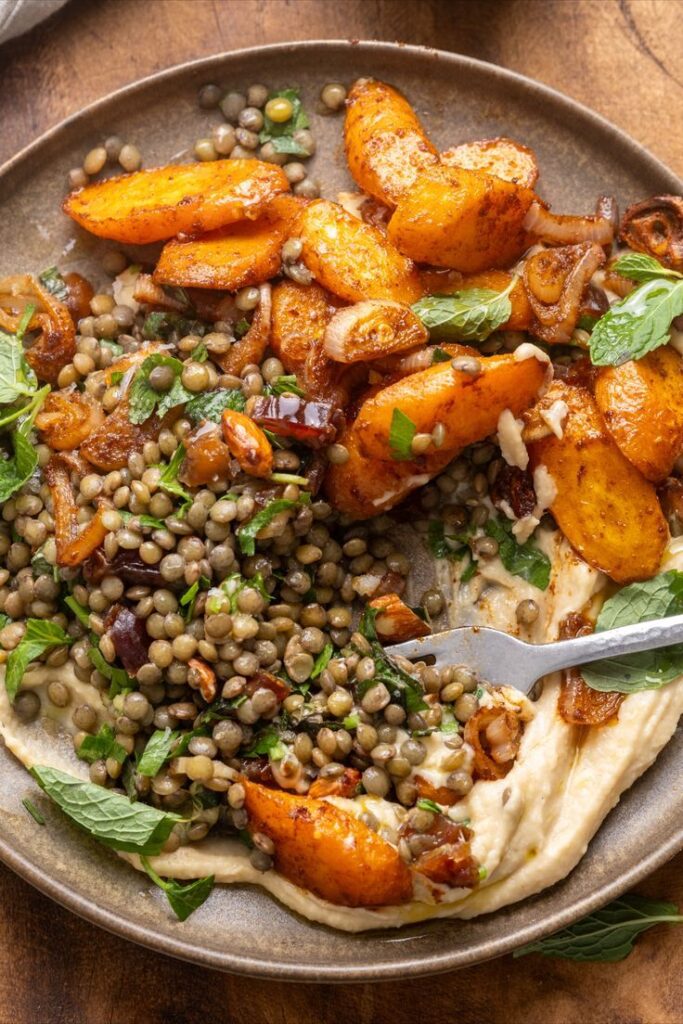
{"x": 581, "y": 156}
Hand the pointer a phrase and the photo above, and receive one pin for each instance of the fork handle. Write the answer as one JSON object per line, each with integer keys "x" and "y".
{"x": 641, "y": 636}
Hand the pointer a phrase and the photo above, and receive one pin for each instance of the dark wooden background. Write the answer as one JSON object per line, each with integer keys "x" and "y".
{"x": 621, "y": 57}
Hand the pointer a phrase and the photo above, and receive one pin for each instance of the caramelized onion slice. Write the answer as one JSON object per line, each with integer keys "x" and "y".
{"x": 445, "y": 852}
{"x": 67, "y": 418}
{"x": 564, "y": 229}
{"x": 555, "y": 281}
{"x": 578, "y": 704}
{"x": 655, "y": 226}
{"x": 56, "y": 343}
{"x": 74, "y": 545}
{"x": 494, "y": 734}
{"x": 367, "y": 330}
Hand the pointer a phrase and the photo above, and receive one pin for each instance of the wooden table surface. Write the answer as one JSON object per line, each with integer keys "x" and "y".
{"x": 621, "y": 57}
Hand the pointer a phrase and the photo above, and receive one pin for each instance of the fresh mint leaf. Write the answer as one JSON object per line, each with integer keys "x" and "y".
{"x": 656, "y": 598}
{"x": 404, "y": 689}
{"x": 267, "y": 742}
{"x": 608, "y": 935}
{"x": 525, "y": 560}
{"x": 25, "y": 320}
{"x": 109, "y": 817}
{"x": 285, "y": 384}
{"x": 118, "y": 678}
{"x": 80, "y": 611}
{"x": 469, "y": 315}
{"x": 33, "y": 811}
{"x": 322, "y": 661}
{"x": 401, "y": 434}
{"x": 40, "y": 636}
{"x": 428, "y": 805}
{"x": 162, "y": 325}
{"x": 52, "y": 280}
{"x": 638, "y": 266}
{"x": 102, "y": 746}
{"x": 638, "y": 324}
{"x": 232, "y": 586}
{"x": 17, "y": 379}
{"x": 160, "y": 748}
{"x": 15, "y": 472}
{"x": 189, "y": 598}
{"x": 143, "y": 400}
{"x": 183, "y": 899}
{"x": 246, "y": 534}
{"x": 210, "y": 405}
{"x": 168, "y": 481}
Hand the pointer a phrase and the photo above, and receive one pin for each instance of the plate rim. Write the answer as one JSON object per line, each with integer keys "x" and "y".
{"x": 251, "y": 966}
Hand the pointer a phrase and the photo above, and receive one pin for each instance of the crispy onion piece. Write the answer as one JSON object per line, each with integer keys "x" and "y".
{"x": 494, "y": 734}
{"x": 251, "y": 347}
{"x": 403, "y": 364}
{"x": 655, "y": 226}
{"x": 67, "y": 418}
{"x": 110, "y": 446}
{"x": 555, "y": 280}
{"x": 56, "y": 344}
{"x": 372, "y": 328}
{"x": 577, "y": 703}
{"x": 326, "y": 381}
{"x": 347, "y": 784}
{"x": 562, "y": 229}
{"x": 73, "y": 544}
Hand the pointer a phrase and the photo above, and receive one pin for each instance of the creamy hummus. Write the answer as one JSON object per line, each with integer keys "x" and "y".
{"x": 530, "y": 828}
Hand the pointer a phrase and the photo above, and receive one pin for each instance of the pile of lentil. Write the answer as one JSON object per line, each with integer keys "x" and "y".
{"x": 284, "y": 612}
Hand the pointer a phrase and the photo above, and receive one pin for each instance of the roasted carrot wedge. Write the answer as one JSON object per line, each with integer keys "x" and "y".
{"x": 149, "y": 206}
{"x": 386, "y": 146}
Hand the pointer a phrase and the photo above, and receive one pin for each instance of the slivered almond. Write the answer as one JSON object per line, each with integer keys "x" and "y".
{"x": 395, "y": 621}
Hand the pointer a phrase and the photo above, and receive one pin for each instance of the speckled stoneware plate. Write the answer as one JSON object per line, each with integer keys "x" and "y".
{"x": 241, "y": 928}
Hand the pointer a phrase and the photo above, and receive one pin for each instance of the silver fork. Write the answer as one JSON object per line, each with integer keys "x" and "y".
{"x": 504, "y": 660}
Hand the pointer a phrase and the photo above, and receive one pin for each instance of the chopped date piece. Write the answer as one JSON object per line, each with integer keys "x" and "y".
{"x": 580, "y": 373}
{"x": 312, "y": 423}
{"x": 671, "y": 498}
{"x": 129, "y": 568}
{"x": 446, "y": 856}
{"x": 129, "y": 636}
{"x": 258, "y": 769}
{"x": 207, "y": 456}
{"x": 578, "y": 704}
{"x": 516, "y": 487}
{"x": 426, "y": 790}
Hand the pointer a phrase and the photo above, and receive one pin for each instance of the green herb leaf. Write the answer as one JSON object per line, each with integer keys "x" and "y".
{"x": 232, "y": 586}
{"x": 285, "y": 384}
{"x": 17, "y": 379}
{"x": 114, "y": 348}
{"x": 200, "y": 353}
{"x": 109, "y": 817}
{"x": 322, "y": 661}
{"x": 469, "y": 315}
{"x": 637, "y": 266}
{"x": 168, "y": 481}
{"x": 429, "y": 805}
{"x": 33, "y": 811}
{"x": 403, "y": 687}
{"x": 267, "y": 742}
{"x": 211, "y": 404}
{"x": 281, "y": 133}
{"x": 143, "y": 400}
{"x": 401, "y": 434}
{"x": 102, "y": 746}
{"x": 80, "y": 611}
{"x": 471, "y": 569}
{"x": 439, "y": 356}
{"x": 189, "y": 598}
{"x": 25, "y": 320}
{"x": 246, "y": 534}
{"x": 241, "y": 327}
{"x": 657, "y": 598}
{"x": 16, "y": 471}
{"x": 160, "y": 748}
{"x": 609, "y": 934}
{"x": 119, "y": 680}
{"x": 52, "y": 280}
{"x": 39, "y": 637}
{"x": 184, "y": 899}
{"x": 637, "y": 324}
{"x": 162, "y": 325}
{"x": 525, "y": 560}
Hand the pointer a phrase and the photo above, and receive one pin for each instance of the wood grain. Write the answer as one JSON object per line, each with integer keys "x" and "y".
{"x": 620, "y": 57}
